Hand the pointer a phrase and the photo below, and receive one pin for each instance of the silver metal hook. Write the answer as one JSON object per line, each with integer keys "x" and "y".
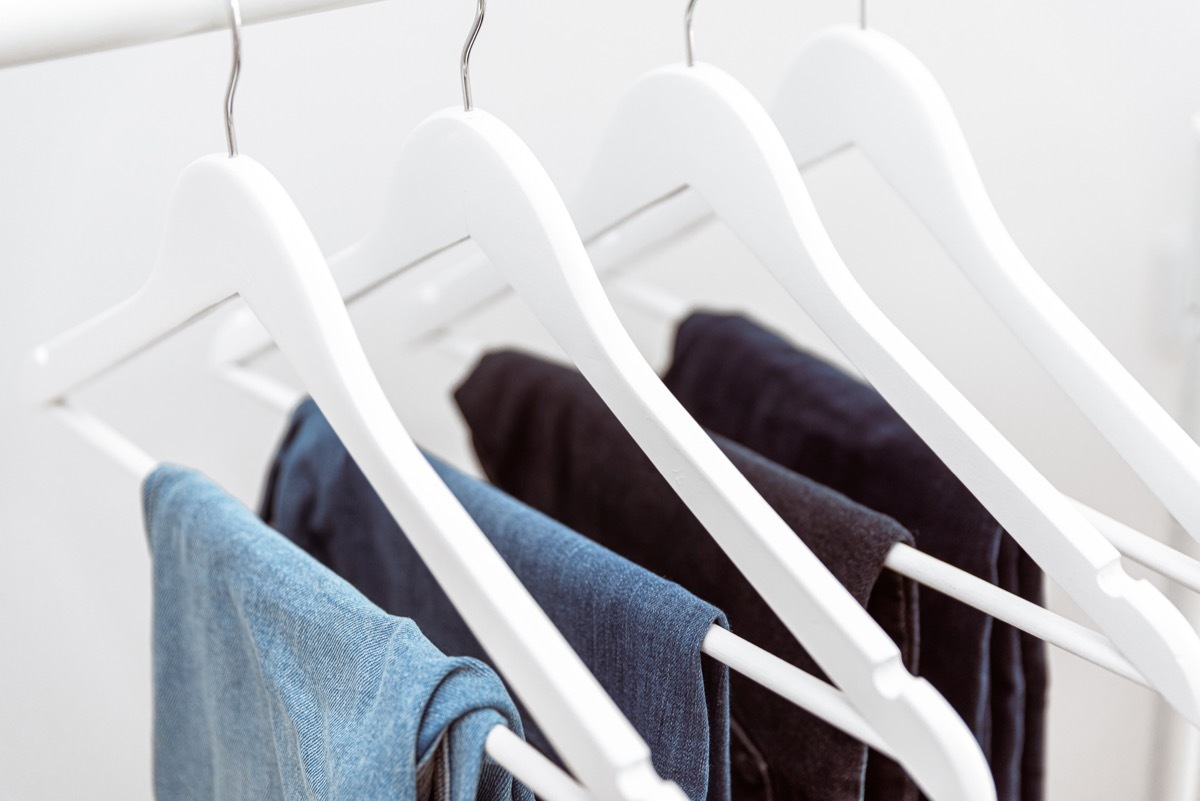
{"x": 862, "y": 14}
{"x": 465, "y": 66}
{"x": 688, "y": 35}
{"x": 235, "y": 16}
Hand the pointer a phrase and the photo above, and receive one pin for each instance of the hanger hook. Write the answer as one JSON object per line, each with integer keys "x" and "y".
{"x": 480, "y": 10}
{"x": 235, "y": 18}
{"x": 862, "y": 14}
{"x": 689, "y": 37}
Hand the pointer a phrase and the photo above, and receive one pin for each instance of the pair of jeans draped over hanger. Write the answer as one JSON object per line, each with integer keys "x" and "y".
{"x": 751, "y": 385}
{"x": 543, "y": 434}
{"x": 275, "y": 679}
{"x": 638, "y": 633}
{"x": 832, "y": 458}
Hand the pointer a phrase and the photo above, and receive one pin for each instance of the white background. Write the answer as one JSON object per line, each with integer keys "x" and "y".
{"x": 1077, "y": 112}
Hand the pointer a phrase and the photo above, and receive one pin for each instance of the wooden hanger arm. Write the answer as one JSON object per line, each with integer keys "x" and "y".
{"x": 847, "y": 87}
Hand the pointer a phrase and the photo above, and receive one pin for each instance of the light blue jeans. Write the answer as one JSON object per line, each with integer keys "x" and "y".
{"x": 275, "y": 679}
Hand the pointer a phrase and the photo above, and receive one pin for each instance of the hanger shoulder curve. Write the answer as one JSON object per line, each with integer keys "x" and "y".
{"x": 183, "y": 285}
{"x": 847, "y": 87}
{"x": 696, "y": 126}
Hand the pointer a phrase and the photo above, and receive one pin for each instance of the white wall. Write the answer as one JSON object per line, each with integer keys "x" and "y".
{"x": 1077, "y": 113}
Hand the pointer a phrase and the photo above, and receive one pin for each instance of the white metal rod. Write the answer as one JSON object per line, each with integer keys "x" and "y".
{"x": 128, "y": 456}
{"x": 803, "y": 689}
{"x": 48, "y": 29}
{"x": 531, "y": 767}
{"x": 1145, "y": 550}
{"x": 1012, "y": 609}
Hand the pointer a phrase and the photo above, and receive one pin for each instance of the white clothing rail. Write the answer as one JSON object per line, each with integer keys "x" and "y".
{"x": 48, "y": 29}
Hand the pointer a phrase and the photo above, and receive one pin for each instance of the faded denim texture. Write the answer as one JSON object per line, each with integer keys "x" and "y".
{"x": 639, "y": 634}
{"x": 275, "y": 679}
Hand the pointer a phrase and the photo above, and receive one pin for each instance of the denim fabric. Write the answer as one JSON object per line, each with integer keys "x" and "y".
{"x": 542, "y": 433}
{"x": 1032, "y": 587}
{"x": 754, "y": 387}
{"x": 274, "y": 679}
{"x": 639, "y": 634}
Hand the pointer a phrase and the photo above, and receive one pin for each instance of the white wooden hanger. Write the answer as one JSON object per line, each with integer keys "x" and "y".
{"x": 849, "y": 87}
{"x": 950, "y": 580}
{"x": 232, "y": 231}
{"x": 695, "y": 126}
{"x": 464, "y": 174}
